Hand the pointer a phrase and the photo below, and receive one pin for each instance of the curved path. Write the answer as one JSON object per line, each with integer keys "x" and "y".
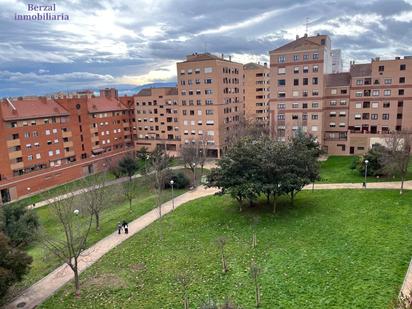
{"x": 47, "y": 286}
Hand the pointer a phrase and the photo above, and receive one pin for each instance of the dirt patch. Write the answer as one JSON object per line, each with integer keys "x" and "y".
{"x": 107, "y": 280}
{"x": 138, "y": 267}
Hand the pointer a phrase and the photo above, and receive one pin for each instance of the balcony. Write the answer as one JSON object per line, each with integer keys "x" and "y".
{"x": 95, "y": 139}
{"x": 13, "y": 142}
{"x": 68, "y": 153}
{"x": 67, "y": 134}
{"x": 15, "y": 154}
{"x": 17, "y": 166}
{"x": 68, "y": 144}
{"x": 93, "y": 130}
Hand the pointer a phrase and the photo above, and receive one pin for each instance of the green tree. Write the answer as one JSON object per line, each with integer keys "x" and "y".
{"x": 128, "y": 166}
{"x": 14, "y": 264}
{"x": 375, "y": 157}
{"x": 19, "y": 223}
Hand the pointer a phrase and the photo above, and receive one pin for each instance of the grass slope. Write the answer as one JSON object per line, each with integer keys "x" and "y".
{"x": 334, "y": 249}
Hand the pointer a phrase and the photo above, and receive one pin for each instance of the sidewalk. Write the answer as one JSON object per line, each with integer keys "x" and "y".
{"x": 396, "y": 185}
{"x": 47, "y": 286}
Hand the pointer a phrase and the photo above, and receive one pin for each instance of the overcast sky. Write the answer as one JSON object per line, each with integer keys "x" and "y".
{"x": 129, "y": 42}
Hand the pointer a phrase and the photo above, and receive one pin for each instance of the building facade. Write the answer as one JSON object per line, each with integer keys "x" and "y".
{"x": 256, "y": 93}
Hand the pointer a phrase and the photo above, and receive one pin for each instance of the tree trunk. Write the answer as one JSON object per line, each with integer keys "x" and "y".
{"x": 292, "y": 198}
{"x": 130, "y": 204}
{"x": 274, "y": 203}
{"x": 257, "y": 295}
{"x": 267, "y": 198}
{"x": 224, "y": 266}
{"x": 97, "y": 217}
{"x": 76, "y": 279}
{"x": 402, "y": 181}
{"x": 186, "y": 302}
{"x": 254, "y": 242}
{"x": 313, "y": 186}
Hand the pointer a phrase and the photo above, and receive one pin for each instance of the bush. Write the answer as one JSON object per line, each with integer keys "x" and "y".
{"x": 181, "y": 181}
{"x": 19, "y": 224}
{"x": 374, "y": 156}
{"x": 14, "y": 264}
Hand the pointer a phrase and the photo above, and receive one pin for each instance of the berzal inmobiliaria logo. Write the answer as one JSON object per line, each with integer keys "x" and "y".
{"x": 41, "y": 12}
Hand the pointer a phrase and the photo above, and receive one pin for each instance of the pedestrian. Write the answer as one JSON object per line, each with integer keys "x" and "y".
{"x": 126, "y": 229}
{"x": 119, "y": 228}
{"x": 124, "y": 223}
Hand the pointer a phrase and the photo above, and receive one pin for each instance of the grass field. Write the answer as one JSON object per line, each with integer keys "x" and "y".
{"x": 333, "y": 249}
{"x": 337, "y": 169}
{"x": 43, "y": 262}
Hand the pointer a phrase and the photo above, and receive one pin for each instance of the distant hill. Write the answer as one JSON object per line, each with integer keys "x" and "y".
{"x": 153, "y": 85}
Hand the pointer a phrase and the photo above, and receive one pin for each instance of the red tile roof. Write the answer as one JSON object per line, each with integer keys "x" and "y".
{"x": 103, "y": 104}
{"x": 31, "y": 109}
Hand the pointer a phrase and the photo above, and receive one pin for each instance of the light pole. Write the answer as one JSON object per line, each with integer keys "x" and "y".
{"x": 173, "y": 198}
{"x": 194, "y": 174}
{"x": 366, "y": 173}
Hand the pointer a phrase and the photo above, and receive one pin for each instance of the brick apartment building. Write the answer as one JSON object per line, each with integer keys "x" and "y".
{"x": 45, "y": 142}
{"x": 256, "y": 93}
{"x": 348, "y": 112}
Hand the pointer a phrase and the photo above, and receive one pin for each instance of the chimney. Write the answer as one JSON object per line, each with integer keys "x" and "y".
{"x": 223, "y": 56}
{"x": 297, "y": 36}
{"x": 265, "y": 64}
{"x": 230, "y": 58}
{"x": 306, "y": 35}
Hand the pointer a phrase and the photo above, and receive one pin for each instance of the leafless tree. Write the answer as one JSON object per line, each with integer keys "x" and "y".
{"x": 397, "y": 154}
{"x": 254, "y": 272}
{"x": 159, "y": 163}
{"x": 221, "y": 243}
{"x": 247, "y": 127}
{"x": 129, "y": 190}
{"x": 97, "y": 195}
{"x": 183, "y": 279}
{"x": 75, "y": 221}
{"x": 190, "y": 156}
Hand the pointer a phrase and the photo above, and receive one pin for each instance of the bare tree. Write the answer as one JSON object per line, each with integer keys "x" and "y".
{"x": 254, "y": 272}
{"x": 247, "y": 127}
{"x": 221, "y": 243}
{"x": 129, "y": 190}
{"x": 191, "y": 159}
{"x": 97, "y": 195}
{"x": 159, "y": 163}
{"x": 183, "y": 280}
{"x": 75, "y": 223}
{"x": 397, "y": 154}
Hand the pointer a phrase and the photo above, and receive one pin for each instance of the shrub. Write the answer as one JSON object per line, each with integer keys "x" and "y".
{"x": 14, "y": 264}
{"x": 375, "y": 165}
{"x": 19, "y": 224}
{"x": 181, "y": 181}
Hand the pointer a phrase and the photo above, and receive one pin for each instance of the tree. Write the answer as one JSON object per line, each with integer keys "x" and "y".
{"x": 375, "y": 161}
{"x": 14, "y": 264}
{"x": 397, "y": 155}
{"x": 254, "y": 273}
{"x": 99, "y": 197}
{"x": 19, "y": 224}
{"x": 75, "y": 221}
{"x": 129, "y": 190}
{"x": 128, "y": 166}
{"x": 191, "y": 159}
{"x": 221, "y": 243}
{"x": 159, "y": 163}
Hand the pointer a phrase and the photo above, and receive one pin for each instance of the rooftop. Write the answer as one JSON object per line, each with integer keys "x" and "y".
{"x": 206, "y": 57}
{"x": 358, "y": 70}
{"x": 150, "y": 91}
{"x": 103, "y": 104}
{"x": 303, "y": 43}
{"x": 338, "y": 79}
{"x": 31, "y": 108}
{"x": 254, "y": 66}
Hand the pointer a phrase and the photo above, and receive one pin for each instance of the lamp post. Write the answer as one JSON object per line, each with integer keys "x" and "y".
{"x": 173, "y": 198}
{"x": 76, "y": 212}
{"x": 366, "y": 173}
{"x": 194, "y": 174}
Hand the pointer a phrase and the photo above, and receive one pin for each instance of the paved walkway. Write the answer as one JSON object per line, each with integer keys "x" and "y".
{"x": 208, "y": 165}
{"x": 396, "y": 185}
{"x": 47, "y": 286}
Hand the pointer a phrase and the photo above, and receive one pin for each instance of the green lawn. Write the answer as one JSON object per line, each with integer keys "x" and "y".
{"x": 337, "y": 169}
{"x": 333, "y": 249}
{"x": 43, "y": 262}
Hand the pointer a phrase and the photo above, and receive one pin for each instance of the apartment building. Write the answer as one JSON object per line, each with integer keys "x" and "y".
{"x": 297, "y": 85}
{"x": 347, "y": 112}
{"x": 256, "y": 93}
{"x": 157, "y": 119}
{"x": 337, "y": 64}
{"x": 51, "y": 141}
{"x": 210, "y": 90}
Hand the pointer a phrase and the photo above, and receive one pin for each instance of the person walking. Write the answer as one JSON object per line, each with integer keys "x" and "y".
{"x": 119, "y": 228}
{"x": 126, "y": 228}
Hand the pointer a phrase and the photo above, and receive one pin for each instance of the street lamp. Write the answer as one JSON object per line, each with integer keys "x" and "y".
{"x": 76, "y": 212}
{"x": 173, "y": 199}
{"x": 194, "y": 174}
{"x": 366, "y": 172}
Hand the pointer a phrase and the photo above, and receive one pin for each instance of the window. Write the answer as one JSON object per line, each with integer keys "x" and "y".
{"x": 358, "y": 116}
{"x": 374, "y": 116}
{"x": 315, "y": 69}
{"x": 295, "y": 57}
{"x": 281, "y": 105}
{"x": 359, "y": 82}
{"x": 332, "y": 124}
{"x": 50, "y": 153}
{"x": 29, "y": 157}
{"x": 375, "y": 93}
{"x": 38, "y": 156}
{"x": 314, "y": 128}
{"x": 295, "y": 117}
{"x": 314, "y": 80}
{"x": 315, "y": 56}
{"x": 26, "y": 134}
{"x": 358, "y": 93}
{"x": 295, "y": 93}
{"x": 296, "y": 70}
{"x": 281, "y": 71}
{"x": 402, "y": 67}
{"x": 281, "y": 116}
{"x": 401, "y": 80}
{"x": 305, "y": 57}
{"x": 296, "y": 82}
{"x": 388, "y": 81}
{"x": 281, "y": 82}
{"x": 332, "y": 103}
{"x": 305, "y": 69}
{"x": 400, "y": 103}
{"x": 315, "y": 92}
{"x": 315, "y": 117}
{"x": 342, "y": 102}
{"x": 333, "y": 91}
{"x": 332, "y": 114}
{"x": 385, "y": 116}
{"x": 281, "y": 94}
{"x": 386, "y": 104}
{"x": 295, "y": 105}
{"x": 401, "y": 91}
{"x": 399, "y": 116}
{"x": 375, "y": 104}
{"x": 210, "y": 122}
{"x": 281, "y": 59}
{"x": 381, "y": 68}
{"x": 358, "y": 105}
{"x": 57, "y": 151}
{"x": 305, "y": 105}
{"x": 387, "y": 92}
{"x": 342, "y": 114}
{"x": 305, "y": 81}
{"x": 208, "y": 70}
{"x": 315, "y": 105}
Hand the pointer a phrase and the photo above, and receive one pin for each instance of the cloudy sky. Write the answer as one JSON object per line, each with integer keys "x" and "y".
{"x": 127, "y": 42}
